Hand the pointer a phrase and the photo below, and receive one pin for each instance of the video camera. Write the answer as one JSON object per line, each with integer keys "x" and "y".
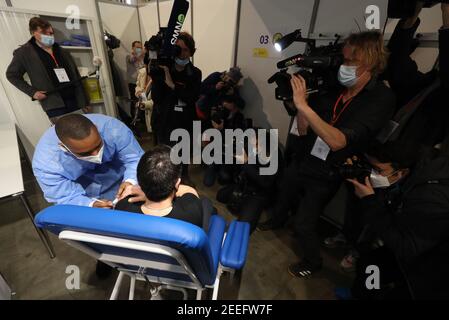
{"x": 359, "y": 169}
{"x": 161, "y": 48}
{"x": 318, "y": 66}
{"x": 111, "y": 41}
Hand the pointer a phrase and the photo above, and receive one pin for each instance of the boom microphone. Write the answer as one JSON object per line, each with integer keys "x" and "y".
{"x": 175, "y": 23}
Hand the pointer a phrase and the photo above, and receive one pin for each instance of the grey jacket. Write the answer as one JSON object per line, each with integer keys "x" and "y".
{"x": 26, "y": 60}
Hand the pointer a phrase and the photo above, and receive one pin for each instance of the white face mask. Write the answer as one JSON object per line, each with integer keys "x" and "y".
{"x": 97, "y": 159}
{"x": 347, "y": 76}
{"x": 138, "y": 51}
{"x": 379, "y": 181}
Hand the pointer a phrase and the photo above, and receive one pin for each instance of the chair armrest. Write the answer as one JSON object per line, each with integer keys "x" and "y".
{"x": 235, "y": 248}
{"x": 215, "y": 234}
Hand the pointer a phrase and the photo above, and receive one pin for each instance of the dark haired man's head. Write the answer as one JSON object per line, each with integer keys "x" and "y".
{"x": 157, "y": 175}
{"x": 394, "y": 159}
{"x": 42, "y": 31}
{"x": 79, "y": 135}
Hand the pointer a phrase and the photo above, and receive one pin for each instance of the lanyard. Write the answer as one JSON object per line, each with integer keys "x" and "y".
{"x": 336, "y": 116}
{"x": 54, "y": 59}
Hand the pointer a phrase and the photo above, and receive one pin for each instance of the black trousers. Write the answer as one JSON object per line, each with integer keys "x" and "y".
{"x": 250, "y": 208}
{"x": 310, "y": 195}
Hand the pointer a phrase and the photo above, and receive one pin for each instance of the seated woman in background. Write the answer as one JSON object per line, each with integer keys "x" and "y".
{"x": 160, "y": 180}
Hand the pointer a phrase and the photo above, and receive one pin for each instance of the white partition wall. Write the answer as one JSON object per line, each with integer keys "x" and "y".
{"x": 260, "y": 20}
{"x": 345, "y": 16}
{"x": 149, "y": 20}
{"x": 214, "y": 28}
{"x": 123, "y": 22}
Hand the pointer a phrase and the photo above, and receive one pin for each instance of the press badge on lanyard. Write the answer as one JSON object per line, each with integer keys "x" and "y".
{"x": 320, "y": 148}
{"x": 180, "y": 106}
{"x": 62, "y": 75}
{"x": 60, "y": 72}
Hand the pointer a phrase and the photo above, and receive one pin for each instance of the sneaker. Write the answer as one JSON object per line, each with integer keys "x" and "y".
{"x": 302, "y": 269}
{"x": 333, "y": 242}
{"x": 349, "y": 262}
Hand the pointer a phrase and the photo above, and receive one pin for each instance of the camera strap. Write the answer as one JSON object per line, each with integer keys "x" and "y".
{"x": 336, "y": 116}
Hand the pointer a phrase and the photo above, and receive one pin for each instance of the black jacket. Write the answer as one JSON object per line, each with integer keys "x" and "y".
{"x": 165, "y": 116}
{"x": 26, "y": 60}
{"x": 414, "y": 225}
{"x": 211, "y": 97}
{"x": 429, "y": 124}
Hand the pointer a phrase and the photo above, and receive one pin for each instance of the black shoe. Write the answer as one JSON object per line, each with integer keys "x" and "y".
{"x": 302, "y": 269}
{"x": 103, "y": 270}
{"x": 271, "y": 224}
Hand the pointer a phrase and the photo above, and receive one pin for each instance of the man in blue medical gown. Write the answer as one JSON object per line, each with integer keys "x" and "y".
{"x": 86, "y": 160}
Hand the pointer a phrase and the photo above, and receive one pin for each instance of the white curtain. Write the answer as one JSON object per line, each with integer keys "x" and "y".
{"x": 16, "y": 106}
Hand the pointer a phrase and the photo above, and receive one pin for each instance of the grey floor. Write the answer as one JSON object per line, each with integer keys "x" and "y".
{"x": 31, "y": 274}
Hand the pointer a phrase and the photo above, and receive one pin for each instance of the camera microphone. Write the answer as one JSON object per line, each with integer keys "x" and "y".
{"x": 303, "y": 61}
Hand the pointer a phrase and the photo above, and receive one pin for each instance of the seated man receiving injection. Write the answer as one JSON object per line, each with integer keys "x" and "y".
{"x": 160, "y": 180}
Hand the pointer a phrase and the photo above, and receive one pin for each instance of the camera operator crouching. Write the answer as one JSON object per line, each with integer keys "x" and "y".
{"x": 217, "y": 87}
{"x": 175, "y": 91}
{"x": 333, "y": 127}
{"x": 220, "y": 107}
{"x": 252, "y": 192}
{"x": 404, "y": 212}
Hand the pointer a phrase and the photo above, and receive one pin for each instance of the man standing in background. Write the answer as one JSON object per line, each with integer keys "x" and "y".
{"x": 52, "y": 71}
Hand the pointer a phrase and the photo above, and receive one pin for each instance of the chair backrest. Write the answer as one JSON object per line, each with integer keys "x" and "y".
{"x": 152, "y": 246}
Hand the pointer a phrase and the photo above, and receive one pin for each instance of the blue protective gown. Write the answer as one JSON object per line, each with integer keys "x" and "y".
{"x": 64, "y": 179}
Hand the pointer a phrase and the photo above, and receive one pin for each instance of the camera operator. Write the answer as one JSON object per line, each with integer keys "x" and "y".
{"x": 227, "y": 115}
{"x": 175, "y": 92}
{"x": 337, "y": 125}
{"x": 217, "y": 86}
{"x": 251, "y": 192}
{"x": 407, "y": 220}
{"x": 428, "y": 124}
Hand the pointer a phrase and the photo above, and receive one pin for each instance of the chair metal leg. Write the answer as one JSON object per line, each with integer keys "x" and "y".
{"x": 132, "y": 287}
{"x": 216, "y": 284}
{"x": 43, "y": 235}
{"x": 199, "y": 294}
{"x": 117, "y": 285}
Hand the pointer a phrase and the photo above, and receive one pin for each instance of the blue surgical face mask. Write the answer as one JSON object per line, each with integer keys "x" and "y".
{"x": 138, "y": 51}
{"x": 347, "y": 76}
{"x": 47, "y": 41}
{"x": 182, "y": 62}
